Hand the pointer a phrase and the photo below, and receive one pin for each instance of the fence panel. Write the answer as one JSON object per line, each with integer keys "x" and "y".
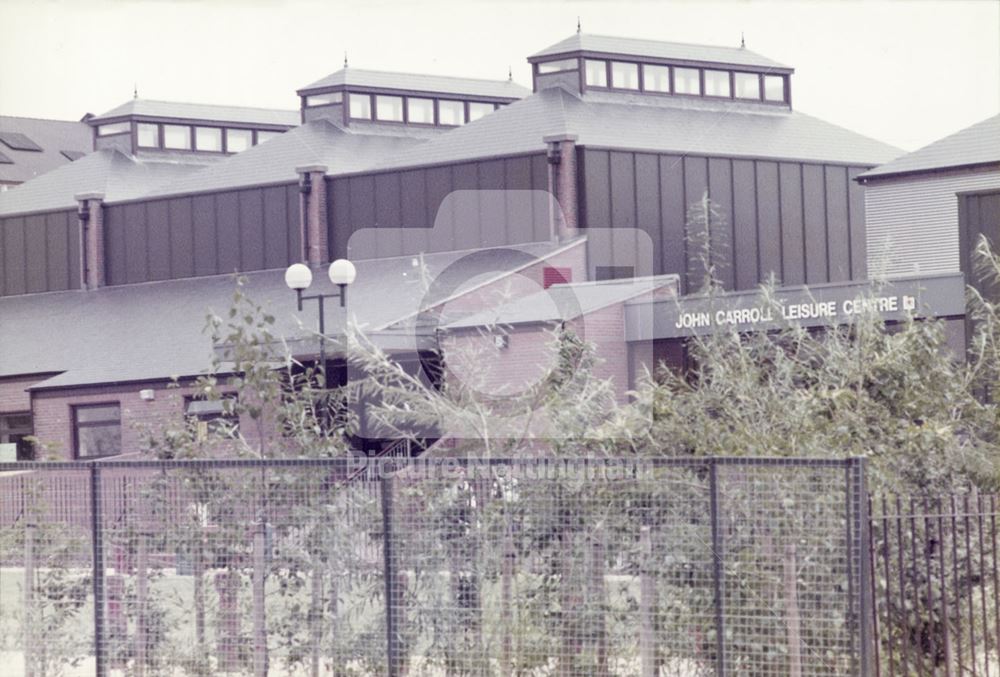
{"x": 434, "y": 567}
{"x": 937, "y": 585}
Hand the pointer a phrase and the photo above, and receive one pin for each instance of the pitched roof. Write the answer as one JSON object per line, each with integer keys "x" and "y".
{"x": 656, "y": 125}
{"x": 658, "y": 49}
{"x": 200, "y": 111}
{"x": 117, "y": 175}
{"x": 437, "y": 84}
{"x": 318, "y": 142}
{"x": 154, "y": 330}
{"x": 52, "y": 136}
{"x": 975, "y": 145}
{"x": 565, "y": 302}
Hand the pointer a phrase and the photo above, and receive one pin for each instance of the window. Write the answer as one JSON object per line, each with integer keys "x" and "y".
{"x": 389, "y": 108}
{"x": 717, "y": 83}
{"x": 656, "y": 78}
{"x": 747, "y": 86}
{"x": 116, "y": 128}
{"x": 603, "y": 273}
{"x": 420, "y": 111}
{"x": 97, "y": 430}
{"x": 264, "y": 135}
{"x": 556, "y": 66}
{"x": 686, "y": 81}
{"x": 451, "y": 112}
{"x": 216, "y": 417}
{"x": 147, "y": 135}
{"x": 624, "y": 75}
{"x": 19, "y": 141}
{"x": 774, "y": 88}
{"x": 597, "y": 73}
{"x": 238, "y": 140}
{"x": 361, "y": 106}
{"x": 208, "y": 138}
{"x": 177, "y": 137}
{"x": 14, "y": 431}
{"x": 478, "y": 110}
{"x": 324, "y": 99}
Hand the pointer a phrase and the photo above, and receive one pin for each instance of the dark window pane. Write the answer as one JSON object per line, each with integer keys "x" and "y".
{"x": 98, "y": 440}
{"x": 105, "y": 413}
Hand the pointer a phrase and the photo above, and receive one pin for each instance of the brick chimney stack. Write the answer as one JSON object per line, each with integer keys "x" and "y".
{"x": 313, "y": 213}
{"x": 562, "y": 184}
{"x": 90, "y": 214}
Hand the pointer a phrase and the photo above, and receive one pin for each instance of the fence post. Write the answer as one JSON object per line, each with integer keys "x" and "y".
{"x": 30, "y": 637}
{"x": 647, "y": 605}
{"x": 717, "y": 570}
{"x": 259, "y": 600}
{"x": 390, "y": 576}
{"x": 858, "y": 526}
{"x": 97, "y": 541}
{"x": 141, "y": 600}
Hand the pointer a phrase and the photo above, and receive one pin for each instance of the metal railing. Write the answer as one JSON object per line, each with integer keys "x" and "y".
{"x": 641, "y": 567}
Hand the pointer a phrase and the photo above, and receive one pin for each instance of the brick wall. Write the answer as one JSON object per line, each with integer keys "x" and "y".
{"x": 13, "y": 394}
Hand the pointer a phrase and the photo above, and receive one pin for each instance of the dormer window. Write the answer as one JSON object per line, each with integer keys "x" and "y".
{"x": 624, "y": 75}
{"x": 717, "y": 83}
{"x": 597, "y": 73}
{"x": 451, "y": 112}
{"x": 747, "y": 85}
{"x": 774, "y": 88}
{"x": 176, "y": 137}
{"x": 687, "y": 81}
{"x": 420, "y": 111}
{"x": 389, "y": 108}
{"x": 238, "y": 140}
{"x": 656, "y": 78}
{"x": 557, "y": 66}
{"x": 361, "y": 106}
{"x": 147, "y": 135}
{"x": 264, "y": 135}
{"x": 208, "y": 139}
{"x": 327, "y": 99}
{"x": 114, "y": 128}
{"x": 478, "y": 110}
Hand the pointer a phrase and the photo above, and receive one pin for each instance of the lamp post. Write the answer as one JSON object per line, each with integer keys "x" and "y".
{"x": 298, "y": 277}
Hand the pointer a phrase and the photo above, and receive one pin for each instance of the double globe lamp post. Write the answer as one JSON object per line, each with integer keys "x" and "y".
{"x": 298, "y": 277}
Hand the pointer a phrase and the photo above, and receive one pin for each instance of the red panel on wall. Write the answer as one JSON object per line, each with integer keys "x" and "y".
{"x": 556, "y": 275}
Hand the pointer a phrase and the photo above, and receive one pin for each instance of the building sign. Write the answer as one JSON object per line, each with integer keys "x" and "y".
{"x": 938, "y": 296}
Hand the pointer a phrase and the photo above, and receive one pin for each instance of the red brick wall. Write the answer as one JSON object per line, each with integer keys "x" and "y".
{"x": 13, "y": 394}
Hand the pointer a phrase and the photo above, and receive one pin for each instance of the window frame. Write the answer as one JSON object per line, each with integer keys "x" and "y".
{"x": 406, "y": 110}
{"x": 225, "y": 138}
{"x": 611, "y": 76}
{"x": 77, "y": 424}
{"x": 402, "y": 109}
{"x": 350, "y": 108}
{"x": 470, "y": 104}
{"x": 760, "y": 86}
{"x": 607, "y": 73}
{"x": 28, "y": 430}
{"x": 232, "y": 418}
{"x": 103, "y": 134}
{"x": 463, "y": 112}
{"x": 338, "y": 99}
{"x": 159, "y": 134}
{"x": 670, "y": 78}
{"x": 781, "y": 77}
{"x": 698, "y": 78}
{"x": 569, "y": 60}
{"x": 222, "y": 140}
{"x": 728, "y": 80}
{"x": 190, "y": 136}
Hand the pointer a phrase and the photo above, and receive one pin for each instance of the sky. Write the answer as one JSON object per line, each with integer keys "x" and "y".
{"x": 904, "y": 72}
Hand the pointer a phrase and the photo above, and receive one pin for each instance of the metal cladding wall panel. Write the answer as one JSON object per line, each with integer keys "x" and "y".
{"x": 465, "y": 177}
{"x": 57, "y": 246}
{"x": 979, "y": 217}
{"x": 597, "y": 189}
{"x": 413, "y": 195}
{"x": 339, "y": 219}
{"x": 720, "y": 189}
{"x": 388, "y": 214}
{"x": 673, "y": 214}
{"x": 276, "y": 222}
{"x": 856, "y": 215}
{"x": 493, "y": 219}
{"x": 623, "y": 209}
{"x": 206, "y": 243}
{"x": 136, "y": 245}
{"x": 227, "y": 216}
{"x": 793, "y": 258}
{"x": 814, "y": 215}
{"x": 745, "y": 242}
{"x": 293, "y": 226}
{"x": 73, "y": 240}
{"x": 769, "y": 221}
{"x": 520, "y": 213}
{"x": 647, "y": 202}
{"x": 158, "y": 232}
{"x": 251, "y": 230}
{"x": 181, "y": 237}
{"x": 440, "y": 214}
{"x": 838, "y": 227}
{"x": 540, "y": 181}
{"x": 912, "y": 221}
{"x": 697, "y": 236}
{"x": 34, "y": 239}
{"x": 114, "y": 245}
{"x": 13, "y": 256}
